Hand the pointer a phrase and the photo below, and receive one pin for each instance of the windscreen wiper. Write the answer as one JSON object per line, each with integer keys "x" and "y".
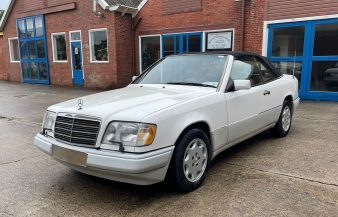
{"x": 191, "y": 84}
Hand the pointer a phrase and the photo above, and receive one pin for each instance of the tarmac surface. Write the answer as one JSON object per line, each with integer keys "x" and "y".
{"x": 263, "y": 176}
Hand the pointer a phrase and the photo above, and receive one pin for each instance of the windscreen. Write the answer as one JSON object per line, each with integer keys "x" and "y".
{"x": 197, "y": 70}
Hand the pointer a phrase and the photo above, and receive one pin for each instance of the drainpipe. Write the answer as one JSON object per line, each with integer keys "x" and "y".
{"x": 243, "y": 25}
{"x": 134, "y": 28}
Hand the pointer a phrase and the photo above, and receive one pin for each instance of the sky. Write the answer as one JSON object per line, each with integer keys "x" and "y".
{"x": 4, "y": 4}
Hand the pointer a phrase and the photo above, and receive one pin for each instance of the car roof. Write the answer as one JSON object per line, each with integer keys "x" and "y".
{"x": 237, "y": 54}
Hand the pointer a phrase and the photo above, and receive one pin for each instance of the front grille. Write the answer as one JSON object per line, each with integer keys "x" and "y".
{"x": 76, "y": 131}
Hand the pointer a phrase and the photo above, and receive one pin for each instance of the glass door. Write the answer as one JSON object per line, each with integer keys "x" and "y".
{"x": 181, "y": 43}
{"x": 323, "y": 82}
{"x": 33, "y": 50}
{"x": 287, "y": 50}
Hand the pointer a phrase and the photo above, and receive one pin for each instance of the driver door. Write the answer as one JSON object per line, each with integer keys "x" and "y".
{"x": 244, "y": 107}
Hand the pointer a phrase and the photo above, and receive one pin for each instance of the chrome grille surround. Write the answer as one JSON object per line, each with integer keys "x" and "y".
{"x": 77, "y": 130}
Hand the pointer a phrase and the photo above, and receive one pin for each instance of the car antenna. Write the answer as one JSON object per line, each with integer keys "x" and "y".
{"x": 294, "y": 65}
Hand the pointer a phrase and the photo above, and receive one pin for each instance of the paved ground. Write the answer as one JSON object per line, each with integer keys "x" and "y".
{"x": 293, "y": 176}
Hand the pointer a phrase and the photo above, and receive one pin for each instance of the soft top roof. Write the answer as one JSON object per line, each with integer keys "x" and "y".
{"x": 238, "y": 54}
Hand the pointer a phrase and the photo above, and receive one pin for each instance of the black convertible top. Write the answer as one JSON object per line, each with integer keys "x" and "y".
{"x": 238, "y": 54}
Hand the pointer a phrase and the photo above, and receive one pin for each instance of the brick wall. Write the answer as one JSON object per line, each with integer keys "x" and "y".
{"x": 215, "y": 14}
{"x": 97, "y": 75}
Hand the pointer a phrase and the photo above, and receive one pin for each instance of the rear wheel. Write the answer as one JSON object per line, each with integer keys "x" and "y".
{"x": 282, "y": 127}
{"x": 190, "y": 161}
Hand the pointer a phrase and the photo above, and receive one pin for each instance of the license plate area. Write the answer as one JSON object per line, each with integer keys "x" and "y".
{"x": 69, "y": 156}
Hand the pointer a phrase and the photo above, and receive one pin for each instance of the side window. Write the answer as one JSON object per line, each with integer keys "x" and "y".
{"x": 246, "y": 68}
{"x": 267, "y": 74}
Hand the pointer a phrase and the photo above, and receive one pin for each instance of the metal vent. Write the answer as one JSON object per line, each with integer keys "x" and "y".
{"x": 76, "y": 131}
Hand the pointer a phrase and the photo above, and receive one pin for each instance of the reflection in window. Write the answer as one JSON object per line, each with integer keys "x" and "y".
{"x": 324, "y": 76}
{"x": 41, "y": 48}
{"x": 59, "y": 47}
{"x": 288, "y": 42}
{"x": 31, "y": 48}
{"x": 99, "y": 45}
{"x": 34, "y": 71}
{"x": 14, "y": 49}
{"x": 24, "y": 50}
{"x": 246, "y": 68}
{"x": 21, "y": 29}
{"x": 75, "y": 36}
{"x": 195, "y": 43}
{"x": 43, "y": 71}
{"x": 25, "y": 70}
{"x": 169, "y": 45}
{"x": 150, "y": 50}
{"x": 38, "y": 27}
{"x": 326, "y": 40}
{"x": 30, "y": 28}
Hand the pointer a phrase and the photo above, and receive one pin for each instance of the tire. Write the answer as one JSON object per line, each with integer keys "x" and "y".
{"x": 280, "y": 129}
{"x": 190, "y": 162}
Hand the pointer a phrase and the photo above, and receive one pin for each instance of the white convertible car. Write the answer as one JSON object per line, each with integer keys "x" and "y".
{"x": 172, "y": 120}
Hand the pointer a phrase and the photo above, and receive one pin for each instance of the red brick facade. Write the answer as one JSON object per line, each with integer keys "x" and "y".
{"x": 214, "y": 15}
{"x": 123, "y": 60}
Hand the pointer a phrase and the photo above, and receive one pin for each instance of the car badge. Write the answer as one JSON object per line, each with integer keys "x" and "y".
{"x": 80, "y": 103}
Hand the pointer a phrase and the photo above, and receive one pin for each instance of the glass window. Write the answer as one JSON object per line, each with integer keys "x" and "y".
{"x": 41, "y": 48}
{"x": 168, "y": 45}
{"x": 14, "y": 50}
{"x": 38, "y": 27}
{"x": 25, "y": 70}
{"x": 75, "y": 36}
{"x": 24, "y": 50}
{"x": 34, "y": 71}
{"x": 43, "y": 71}
{"x": 288, "y": 42}
{"x": 98, "y": 45}
{"x": 288, "y": 67}
{"x": 150, "y": 50}
{"x": 30, "y": 27}
{"x": 59, "y": 47}
{"x": 195, "y": 43}
{"x": 31, "y": 48}
{"x": 246, "y": 68}
{"x": 197, "y": 70}
{"x": 21, "y": 29}
{"x": 267, "y": 74}
{"x": 324, "y": 76}
{"x": 326, "y": 40}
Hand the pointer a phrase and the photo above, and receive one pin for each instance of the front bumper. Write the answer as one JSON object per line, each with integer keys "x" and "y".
{"x": 141, "y": 169}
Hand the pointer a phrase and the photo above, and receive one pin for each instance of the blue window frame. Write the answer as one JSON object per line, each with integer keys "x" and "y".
{"x": 181, "y": 43}
{"x": 33, "y": 50}
{"x": 305, "y": 59}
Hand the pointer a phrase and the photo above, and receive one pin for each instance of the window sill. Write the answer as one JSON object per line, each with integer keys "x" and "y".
{"x": 14, "y": 61}
{"x": 99, "y": 62}
{"x": 60, "y": 61}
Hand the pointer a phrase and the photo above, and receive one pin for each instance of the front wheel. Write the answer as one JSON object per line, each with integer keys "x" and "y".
{"x": 190, "y": 161}
{"x": 282, "y": 127}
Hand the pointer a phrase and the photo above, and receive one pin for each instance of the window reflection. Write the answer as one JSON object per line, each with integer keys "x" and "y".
{"x": 324, "y": 76}
{"x": 288, "y": 42}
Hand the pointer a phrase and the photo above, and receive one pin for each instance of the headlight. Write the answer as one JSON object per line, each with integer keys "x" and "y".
{"x": 48, "y": 124}
{"x": 129, "y": 134}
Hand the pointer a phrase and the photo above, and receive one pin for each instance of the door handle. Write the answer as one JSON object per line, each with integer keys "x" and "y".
{"x": 266, "y": 93}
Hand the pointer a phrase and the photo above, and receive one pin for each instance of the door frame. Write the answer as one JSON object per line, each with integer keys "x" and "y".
{"x": 71, "y": 55}
{"x": 309, "y": 22}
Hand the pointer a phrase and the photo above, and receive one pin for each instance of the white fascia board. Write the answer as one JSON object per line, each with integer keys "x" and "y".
{"x": 103, "y": 4}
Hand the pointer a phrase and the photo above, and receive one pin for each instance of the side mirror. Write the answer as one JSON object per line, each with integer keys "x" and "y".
{"x": 242, "y": 85}
{"x": 134, "y": 77}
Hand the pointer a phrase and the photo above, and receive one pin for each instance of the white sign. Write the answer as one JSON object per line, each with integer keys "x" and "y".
{"x": 76, "y": 50}
{"x": 219, "y": 40}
